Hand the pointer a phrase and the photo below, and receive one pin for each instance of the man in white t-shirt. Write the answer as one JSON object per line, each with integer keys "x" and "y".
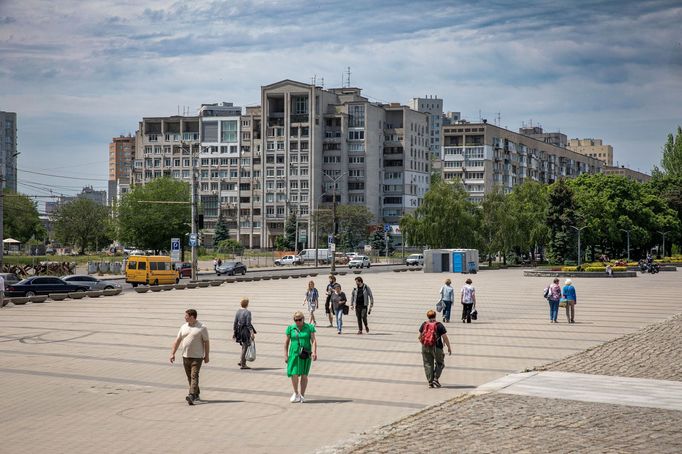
{"x": 193, "y": 336}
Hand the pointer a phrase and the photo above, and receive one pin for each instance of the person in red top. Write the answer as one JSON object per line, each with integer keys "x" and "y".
{"x": 432, "y": 335}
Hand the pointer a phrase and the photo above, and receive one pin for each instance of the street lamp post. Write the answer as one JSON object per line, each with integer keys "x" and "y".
{"x": 193, "y": 201}
{"x": 628, "y": 233}
{"x": 578, "y": 229}
{"x": 335, "y": 226}
{"x": 663, "y": 234}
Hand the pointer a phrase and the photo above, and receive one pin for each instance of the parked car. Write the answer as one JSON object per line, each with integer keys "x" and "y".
{"x": 359, "y": 261}
{"x": 91, "y": 282}
{"x": 415, "y": 259}
{"x": 184, "y": 269}
{"x": 351, "y": 255}
{"x": 341, "y": 259}
{"x": 42, "y": 285}
{"x": 10, "y": 278}
{"x": 289, "y": 260}
{"x": 231, "y": 268}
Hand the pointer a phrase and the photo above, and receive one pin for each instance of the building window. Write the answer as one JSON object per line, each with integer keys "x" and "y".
{"x": 228, "y": 131}
{"x": 356, "y": 116}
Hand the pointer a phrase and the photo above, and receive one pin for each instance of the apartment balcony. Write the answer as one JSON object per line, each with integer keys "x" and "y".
{"x": 299, "y": 119}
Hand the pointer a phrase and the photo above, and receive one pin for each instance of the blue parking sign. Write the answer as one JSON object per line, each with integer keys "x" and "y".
{"x": 175, "y": 244}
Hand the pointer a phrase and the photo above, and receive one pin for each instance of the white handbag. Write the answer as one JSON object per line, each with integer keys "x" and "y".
{"x": 251, "y": 351}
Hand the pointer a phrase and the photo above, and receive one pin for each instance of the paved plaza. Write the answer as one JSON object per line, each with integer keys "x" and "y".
{"x": 93, "y": 375}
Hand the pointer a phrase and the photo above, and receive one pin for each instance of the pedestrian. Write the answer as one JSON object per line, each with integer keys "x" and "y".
{"x": 468, "y": 300}
{"x": 568, "y": 295}
{"x": 300, "y": 350}
{"x": 553, "y": 298}
{"x": 312, "y": 297}
{"x": 362, "y": 301}
{"x": 215, "y": 263}
{"x": 339, "y": 305}
{"x": 220, "y": 261}
{"x": 193, "y": 336}
{"x": 447, "y": 296}
{"x": 2, "y": 291}
{"x": 327, "y": 304}
{"x": 243, "y": 331}
{"x": 432, "y": 334}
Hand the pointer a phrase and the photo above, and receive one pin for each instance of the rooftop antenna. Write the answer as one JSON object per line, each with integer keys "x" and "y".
{"x": 479, "y": 115}
{"x": 322, "y": 83}
{"x": 499, "y": 119}
{"x": 348, "y": 75}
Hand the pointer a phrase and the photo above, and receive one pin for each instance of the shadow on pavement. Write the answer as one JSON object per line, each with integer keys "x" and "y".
{"x": 328, "y": 401}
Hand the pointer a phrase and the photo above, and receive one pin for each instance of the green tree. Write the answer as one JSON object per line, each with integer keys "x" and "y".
{"x": 608, "y": 203}
{"x": 222, "y": 232}
{"x": 229, "y": 246}
{"x": 671, "y": 162}
{"x": 495, "y": 224}
{"x": 20, "y": 218}
{"x": 145, "y": 224}
{"x": 669, "y": 187}
{"x": 354, "y": 222}
{"x": 527, "y": 206}
{"x": 290, "y": 233}
{"x": 82, "y": 223}
{"x": 378, "y": 241}
{"x": 322, "y": 223}
{"x": 446, "y": 218}
{"x": 561, "y": 213}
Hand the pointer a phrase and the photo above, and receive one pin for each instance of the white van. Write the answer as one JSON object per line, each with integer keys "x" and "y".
{"x": 308, "y": 256}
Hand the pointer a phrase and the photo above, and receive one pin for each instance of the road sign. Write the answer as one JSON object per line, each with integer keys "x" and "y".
{"x": 387, "y": 228}
{"x": 193, "y": 239}
{"x": 302, "y": 235}
{"x": 332, "y": 247}
{"x": 330, "y": 240}
{"x": 175, "y": 249}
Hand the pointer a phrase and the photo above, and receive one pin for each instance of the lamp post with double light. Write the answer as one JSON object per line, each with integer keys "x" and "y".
{"x": 334, "y": 223}
{"x": 628, "y": 233}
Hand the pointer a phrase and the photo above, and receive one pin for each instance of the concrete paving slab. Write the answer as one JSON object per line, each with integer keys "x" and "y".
{"x": 93, "y": 375}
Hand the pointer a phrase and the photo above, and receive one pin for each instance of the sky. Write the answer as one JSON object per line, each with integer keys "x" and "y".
{"x": 80, "y": 72}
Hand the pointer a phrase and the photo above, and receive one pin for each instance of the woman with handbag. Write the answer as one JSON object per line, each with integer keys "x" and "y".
{"x": 447, "y": 296}
{"x": 339, "y": 305}
{"x": 300, "y": 350}
{"x": 243, "y": 331}
{"x": 468, "y": 300}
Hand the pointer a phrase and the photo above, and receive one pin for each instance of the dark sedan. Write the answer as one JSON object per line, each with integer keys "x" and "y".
{"x": 42, "y": 285}
{"x": 231, "y": 268}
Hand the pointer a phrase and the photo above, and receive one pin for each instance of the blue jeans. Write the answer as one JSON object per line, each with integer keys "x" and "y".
{"x": 339, "y": 318}
{"x": 553, "y": 309}
{"x": 447, "y": 310}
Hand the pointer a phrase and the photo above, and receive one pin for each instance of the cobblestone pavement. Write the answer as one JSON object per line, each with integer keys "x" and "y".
{"x": 508, "y": 423}
{"x": 653, "y": 352}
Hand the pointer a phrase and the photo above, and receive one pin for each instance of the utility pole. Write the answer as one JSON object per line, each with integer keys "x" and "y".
{"x": 628, "y": 233}
{"x": 335, "y": 226}
{"x": 193, "y": 193}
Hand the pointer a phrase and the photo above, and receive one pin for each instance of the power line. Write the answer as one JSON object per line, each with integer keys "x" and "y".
{"x": 63, "y": 176}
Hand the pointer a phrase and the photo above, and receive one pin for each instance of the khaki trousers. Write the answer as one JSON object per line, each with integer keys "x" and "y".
{"x": 192, "y": 367}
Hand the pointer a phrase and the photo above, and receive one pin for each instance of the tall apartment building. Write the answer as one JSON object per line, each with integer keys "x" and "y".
{"x": 8, "y": 150}
{"x": 553, "y": 138}
{"x": 121, "y": 155}
{"x": 433, "y": 107}
{"x": 482, "y": 155}
{"x": 593, "y": 148}
{"x": 289, "y": 155}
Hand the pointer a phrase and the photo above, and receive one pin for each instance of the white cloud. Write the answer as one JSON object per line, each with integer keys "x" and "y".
{"x": 608, "y": 69}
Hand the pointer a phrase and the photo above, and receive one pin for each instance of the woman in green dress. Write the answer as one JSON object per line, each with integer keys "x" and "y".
{"x": 300, "y": 350}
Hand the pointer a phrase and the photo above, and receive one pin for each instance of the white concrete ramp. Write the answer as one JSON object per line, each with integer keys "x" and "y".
{"x": 635, "y": 392}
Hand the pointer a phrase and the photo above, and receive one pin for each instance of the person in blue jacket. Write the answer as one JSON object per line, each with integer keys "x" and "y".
{"x": 568, "y": 295}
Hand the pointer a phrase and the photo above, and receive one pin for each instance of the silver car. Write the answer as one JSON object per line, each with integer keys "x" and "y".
{"x": 91, "y": 282}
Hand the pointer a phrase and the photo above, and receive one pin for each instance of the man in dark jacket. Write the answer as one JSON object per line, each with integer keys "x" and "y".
{"x": 362, "y": 301}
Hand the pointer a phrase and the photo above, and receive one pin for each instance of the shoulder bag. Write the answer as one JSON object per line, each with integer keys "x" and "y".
{"x": 303, "y": 353}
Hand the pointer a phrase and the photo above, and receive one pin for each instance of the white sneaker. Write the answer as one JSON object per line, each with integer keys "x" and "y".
{"x": 302, "y": 399}
{"x": 295, "y": 398}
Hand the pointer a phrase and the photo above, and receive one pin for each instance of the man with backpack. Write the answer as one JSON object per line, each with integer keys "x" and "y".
{"x": 432, "y": 334}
